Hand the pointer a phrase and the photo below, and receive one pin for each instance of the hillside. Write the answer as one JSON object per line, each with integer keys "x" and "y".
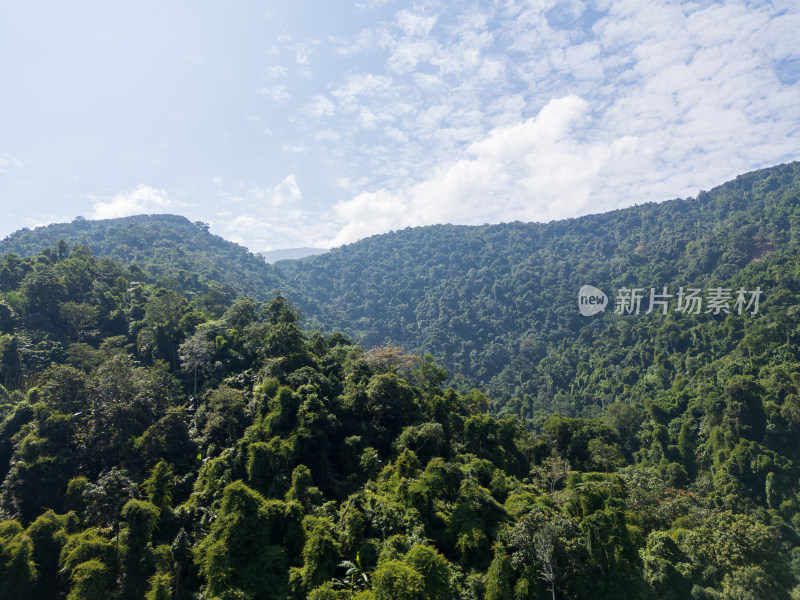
{"x": 158, "y": 447}
{"x": 181, "y": 254}
{"x": 498, "y": 303}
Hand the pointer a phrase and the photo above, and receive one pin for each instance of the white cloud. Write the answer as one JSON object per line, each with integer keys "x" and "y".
{"x": 278, "y": 93}
{"x": 523, "y": 109}
{"x": 415, "y": 24}
{"x": 371, "y": 4}
{"x": 276, "y": 72}
{"x": 287, "y": 191}
{"x": 274, "y": 218}
{"x": 536, "y": 169}
{"x": 406, "y": 56}
{"x": 360, "y": 86}
{"x": 320, "y": 106}
{"x": 638, "y": 102}
{"x": 142, "y": 200}
{"x": 327, "y": 135}
{"x": 8, "y": 162}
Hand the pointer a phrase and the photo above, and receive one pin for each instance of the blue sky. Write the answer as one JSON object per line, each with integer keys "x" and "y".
{"x": 316, "y": 123}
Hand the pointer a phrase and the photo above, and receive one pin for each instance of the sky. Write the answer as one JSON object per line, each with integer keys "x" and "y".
{"x": 320, "y": 122}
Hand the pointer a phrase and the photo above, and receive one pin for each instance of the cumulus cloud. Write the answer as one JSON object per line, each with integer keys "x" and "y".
{"x": 533, "y": 170}
{"x": 286, "y": 191}
{"x": 265, "y": 199}
{"x": 8, "y": 163}
{"x": 320, "y": 106}
{"x": 273, "y": 218}
{"x": 278, "y": 93}
{"x": 141, "y": 200}
{"x": 536, "y": 111}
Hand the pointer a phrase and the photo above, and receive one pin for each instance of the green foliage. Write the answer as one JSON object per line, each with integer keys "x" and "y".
{"x": 160, "y": 587}
{"x": 17, "y": 569}
{"x": 244, "y": 549}
{"x": 435, "y": 571}
{"x": 210, "y": 446}
{"x": 89, "y": 581}
{"x": 396, "y": 580}
{"x": 158, "y": 486}
{"x": 320, "y": 552}
{"x": 49, "y": 534}
{"x": 500, "y": 576}
{"x": 173, "y": 250}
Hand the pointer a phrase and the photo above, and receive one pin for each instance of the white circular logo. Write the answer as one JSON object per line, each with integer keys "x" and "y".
{"x": 591, "y": 300}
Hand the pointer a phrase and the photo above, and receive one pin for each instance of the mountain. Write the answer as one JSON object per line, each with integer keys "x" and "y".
{"x": 153, "y": 446}
{"x": 180, "y": 254}
{"x": 497, "y": 304}
{"x": 273, "y": 256}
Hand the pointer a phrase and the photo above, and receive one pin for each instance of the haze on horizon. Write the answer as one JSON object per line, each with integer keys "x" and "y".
{"x": 315, "y": 123}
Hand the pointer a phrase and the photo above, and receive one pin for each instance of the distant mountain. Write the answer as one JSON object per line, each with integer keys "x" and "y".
{"x": 273, "y": 256}
{"x": 184, "y": 255}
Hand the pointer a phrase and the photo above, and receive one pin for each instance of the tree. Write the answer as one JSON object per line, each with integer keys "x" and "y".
{"x": 49, "y": 533}
{"x": 80, "y": 319}
{"x": 553, "y": 544}
{"x": 396, "y": 580}
{"x": 43, "y": 290}
{"x": 499, "y": 577}
{"x": 137, "y": 559}
{"x": 551, "y": 472}
{"x": 224, "y": 414}
{"x": 90, "y": 581}
{"x": 106, "y": 498}
{"x": 17, "y": 569}
{"x": 320, "y": 552}
{"x": 243, "y": 549}
{"x": 196, "y": 354}
{"x": 434, "y": 569}
{"x": 158, "y": 486}
{"x": 279, "y": 310}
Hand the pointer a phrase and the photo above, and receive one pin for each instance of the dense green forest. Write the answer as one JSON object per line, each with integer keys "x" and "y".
{"x": 173, "y": 251}
{"x": 496, "y": 304}
{"x": 159, "y": 446}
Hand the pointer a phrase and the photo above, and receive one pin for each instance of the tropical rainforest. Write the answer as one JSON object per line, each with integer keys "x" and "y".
{"x": 420, "y": 415}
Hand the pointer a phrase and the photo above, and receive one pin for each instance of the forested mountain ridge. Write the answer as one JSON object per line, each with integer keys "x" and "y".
{"x": 497, "y": 304}
{"x": 179, "y": 254}
{"x": 163, "y": 447}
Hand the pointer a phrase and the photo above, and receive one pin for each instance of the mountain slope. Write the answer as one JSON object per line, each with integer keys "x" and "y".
{"x": 497, "y": 304}
{"x": 183, "y": 254}
{"x": 493, "y": 302}
{"x": 150, "y": 448}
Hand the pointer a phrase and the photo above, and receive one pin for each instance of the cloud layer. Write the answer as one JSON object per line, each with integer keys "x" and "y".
{"x": 141, "y": 200}
{"x": 300, "y": 127}
{"x": 549, "y": 110}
